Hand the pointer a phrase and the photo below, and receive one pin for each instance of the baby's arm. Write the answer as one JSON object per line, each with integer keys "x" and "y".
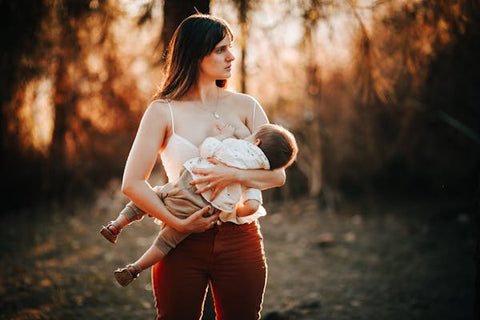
{"x": 224, "y": 132}
{"x": 249, "y": 203}
{"x": 247, "y": 207}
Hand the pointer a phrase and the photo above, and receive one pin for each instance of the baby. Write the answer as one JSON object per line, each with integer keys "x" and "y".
{"x": 270, "y": 147}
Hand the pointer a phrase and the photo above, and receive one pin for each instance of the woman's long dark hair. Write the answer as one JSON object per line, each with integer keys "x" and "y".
{"x": 195, "y": 38}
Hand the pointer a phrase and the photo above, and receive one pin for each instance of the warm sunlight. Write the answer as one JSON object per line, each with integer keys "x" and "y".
{"x": 36, "y": 114}
{"x": 376, "y": 218}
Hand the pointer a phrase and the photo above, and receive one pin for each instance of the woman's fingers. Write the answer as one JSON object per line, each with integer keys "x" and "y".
{"x": 202, "y": 172}
{"x": 203, "y": 184}
{"x": 213, "y": 161}
{"x": 213, "y": 179}
{"x": 205, "y": 180}
{"x": 215, "y": 189}
{"x": 204, "y": 189}
{"x": 199, "y": 223}
{"x": 199, "y": 214}
{"x": 213, "y": 219}
{"x": 215, "y": 193}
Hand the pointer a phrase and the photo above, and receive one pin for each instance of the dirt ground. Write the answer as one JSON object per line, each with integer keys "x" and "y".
{"x": 370, "y": 259}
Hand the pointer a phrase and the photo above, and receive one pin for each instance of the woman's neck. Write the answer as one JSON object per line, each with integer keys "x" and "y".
{"x": 204, "y": 93}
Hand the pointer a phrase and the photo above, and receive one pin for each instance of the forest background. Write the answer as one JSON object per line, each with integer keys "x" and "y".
{"x": 383, "y": 96}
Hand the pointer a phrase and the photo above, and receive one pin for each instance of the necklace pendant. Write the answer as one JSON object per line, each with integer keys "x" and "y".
{"x": 215, "y": 115}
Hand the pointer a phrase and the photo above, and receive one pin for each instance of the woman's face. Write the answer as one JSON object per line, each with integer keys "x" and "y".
{"x": 218, "y": 64}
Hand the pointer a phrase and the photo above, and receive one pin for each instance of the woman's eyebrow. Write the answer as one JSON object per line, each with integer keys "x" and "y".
{"x": 224, "y": 45}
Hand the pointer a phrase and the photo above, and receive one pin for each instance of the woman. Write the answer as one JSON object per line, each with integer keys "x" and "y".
{"x": 188, "y": 108}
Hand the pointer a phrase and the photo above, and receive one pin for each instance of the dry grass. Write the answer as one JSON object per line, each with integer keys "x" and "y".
{"x": 386, "y": 260}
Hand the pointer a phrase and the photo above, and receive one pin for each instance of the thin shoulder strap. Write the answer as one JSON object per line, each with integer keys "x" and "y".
{"x": 253, "y": 114}
{"x": 171, "y": 117}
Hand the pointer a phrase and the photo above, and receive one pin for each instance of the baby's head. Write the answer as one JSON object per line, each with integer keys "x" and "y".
{"x": 278, "y": 144}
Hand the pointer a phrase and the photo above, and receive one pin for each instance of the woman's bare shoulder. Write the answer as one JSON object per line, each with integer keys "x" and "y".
{"x": 158, "y": 107}
{"x": 241, "y": 100}
{"x": 157, "y": 113}
{"x": 160, "y": 103}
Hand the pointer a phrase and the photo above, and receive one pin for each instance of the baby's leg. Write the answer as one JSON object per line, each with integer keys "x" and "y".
{"x": 150, "y": 257}
{"x": 181, "y": 198}
{"x": 182, "y": 201}
{"x": 128, "y": 215}
{"x": 131, "y": 271}
{"x": 167, "y": 239}
{"x": 131, "y": 213}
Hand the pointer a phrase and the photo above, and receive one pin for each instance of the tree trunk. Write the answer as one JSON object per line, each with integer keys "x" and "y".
{"x": 243, "y": 8}
{"x": 66, "y": 49}
{"x": 313, "y": 101}
{"x": 316, "y": 161}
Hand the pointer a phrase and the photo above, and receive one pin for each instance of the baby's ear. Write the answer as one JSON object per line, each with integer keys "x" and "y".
{"x": 257, "y": 141}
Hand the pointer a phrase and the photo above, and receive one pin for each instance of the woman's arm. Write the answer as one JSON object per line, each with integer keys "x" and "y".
{"x": 148, "y": 142}
{"x": 218, "y": 177}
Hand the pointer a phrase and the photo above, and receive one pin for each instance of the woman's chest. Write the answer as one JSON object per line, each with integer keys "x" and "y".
{"x": 241, "y": 130}
{"x": 196, "y": 127}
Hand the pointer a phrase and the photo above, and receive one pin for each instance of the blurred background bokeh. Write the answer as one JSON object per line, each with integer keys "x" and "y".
{"x": 382, "y": 95}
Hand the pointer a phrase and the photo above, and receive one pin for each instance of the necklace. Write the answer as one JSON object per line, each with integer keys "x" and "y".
{"x": 214, "y": 113}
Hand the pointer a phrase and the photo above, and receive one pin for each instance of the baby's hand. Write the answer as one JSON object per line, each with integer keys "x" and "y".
{"x": 225, "y": 130}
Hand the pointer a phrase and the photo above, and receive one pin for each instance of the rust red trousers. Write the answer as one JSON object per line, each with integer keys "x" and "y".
{"x": 229, "y": 257}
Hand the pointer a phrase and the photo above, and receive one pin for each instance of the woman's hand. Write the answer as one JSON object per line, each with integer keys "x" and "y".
{"x": 197, "y": 223}
{"x": 216, "y": 178}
